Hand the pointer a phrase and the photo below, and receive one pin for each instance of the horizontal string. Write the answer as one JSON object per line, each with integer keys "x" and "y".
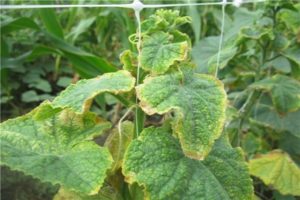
{"x": 121, "y": 5}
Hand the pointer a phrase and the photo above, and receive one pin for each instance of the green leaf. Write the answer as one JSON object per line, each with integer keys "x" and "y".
{"x": 281, "y": 64}
{"x": 30, "y": 96}
{"x": 290, "y": 18}
{"x": 164, "y": 20}
{"x": 267, "y": 116}
{"x": 293, "y": 54}
{"x": 106, "y": 193}
{"x": 117, "y": 143}
{"x": 50, "y": 20}
{"x": 18, "y": 24}
{"x": 42, "y": 85}
{"x": 193, "y": 12}
{"x": 277, "y": 169}
{"x": 285, "y": 92}
{"x": 64, "y": 81}
{"x": 206, "y": 51}
{"x": 256, "y": 32}
{"x": 79, "y": 96}
{"x": 83, "y": 25}
{"x": 226, "y": 55}
{"x": 57, "y": 149}
{"x": 129, "y": 61}
{"x": 199, "y": 101}
{"x": 86, "y": 64}
{"x": 159, "y": 52}
{"x": 156, "y": 161}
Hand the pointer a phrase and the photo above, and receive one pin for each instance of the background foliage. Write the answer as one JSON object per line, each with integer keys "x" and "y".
{"x": 43, "y": 51}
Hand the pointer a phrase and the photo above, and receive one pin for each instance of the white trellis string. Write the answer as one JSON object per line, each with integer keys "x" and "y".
{"x": 138, "y": 7}
{"x": 131, "y": 5}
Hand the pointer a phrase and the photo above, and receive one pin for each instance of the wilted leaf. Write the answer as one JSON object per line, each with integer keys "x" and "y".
{"x": 278, "y": 170}
{"x": 156, "y": 161}
{"x": 159, "y": 52}
{"x": 79, "y": 96}
{"x": 57, "y": 149}
{"x": 199, "y": 102}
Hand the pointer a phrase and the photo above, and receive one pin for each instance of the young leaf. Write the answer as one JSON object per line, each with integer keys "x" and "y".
{"x": 79, "y": 96}
{"x": 129, "y": 61}
{"x": 164, "y": 20}
{"x": 156, "y": 161}
{"x": 277, "y": 169}
{"x": 199, "y": 101}
{"x": 285, "y": 92}
{"x": 159, "y": 52}
{"x": 57, "y": 149}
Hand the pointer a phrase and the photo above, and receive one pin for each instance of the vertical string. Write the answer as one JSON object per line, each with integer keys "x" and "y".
{"x": 221, "y": 37}
{"x": 138, "y": 6}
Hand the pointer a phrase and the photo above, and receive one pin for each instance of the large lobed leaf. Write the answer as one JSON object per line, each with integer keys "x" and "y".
{"x": 199, "y": 101}
{"x": 57, "y": 148}
{"x": 156, "y": 161}
{"x": 79, "y": 96}
{"x": 277, "y": 169}
{"x": 159, "y": 52}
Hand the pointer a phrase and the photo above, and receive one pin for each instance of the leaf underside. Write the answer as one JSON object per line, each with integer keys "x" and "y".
{"x": 57, "y": 149}
{"x": 199, "y": 102}
{"x": 156, "y": 161}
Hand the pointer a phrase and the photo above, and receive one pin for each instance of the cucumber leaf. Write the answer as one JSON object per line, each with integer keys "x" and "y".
{"x": 199, "y": 102}
{"x": 57, "y": 149}
{"x": 285, "y": 92}
{"x": 267, "y": 116}
{"x": 79, "y": 96}
{"x": 156, "y": 161}
{"x": 277, "y": 169}
{"x": 159, "y": 52}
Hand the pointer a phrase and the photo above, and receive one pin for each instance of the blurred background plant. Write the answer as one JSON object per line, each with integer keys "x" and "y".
{"x": 45, "y": 50}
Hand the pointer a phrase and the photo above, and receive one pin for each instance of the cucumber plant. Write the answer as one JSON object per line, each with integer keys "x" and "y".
{"x": 187, "y": 156}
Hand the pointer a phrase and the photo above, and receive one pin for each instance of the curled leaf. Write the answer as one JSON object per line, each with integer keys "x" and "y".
{"x": 79, "y": 96}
